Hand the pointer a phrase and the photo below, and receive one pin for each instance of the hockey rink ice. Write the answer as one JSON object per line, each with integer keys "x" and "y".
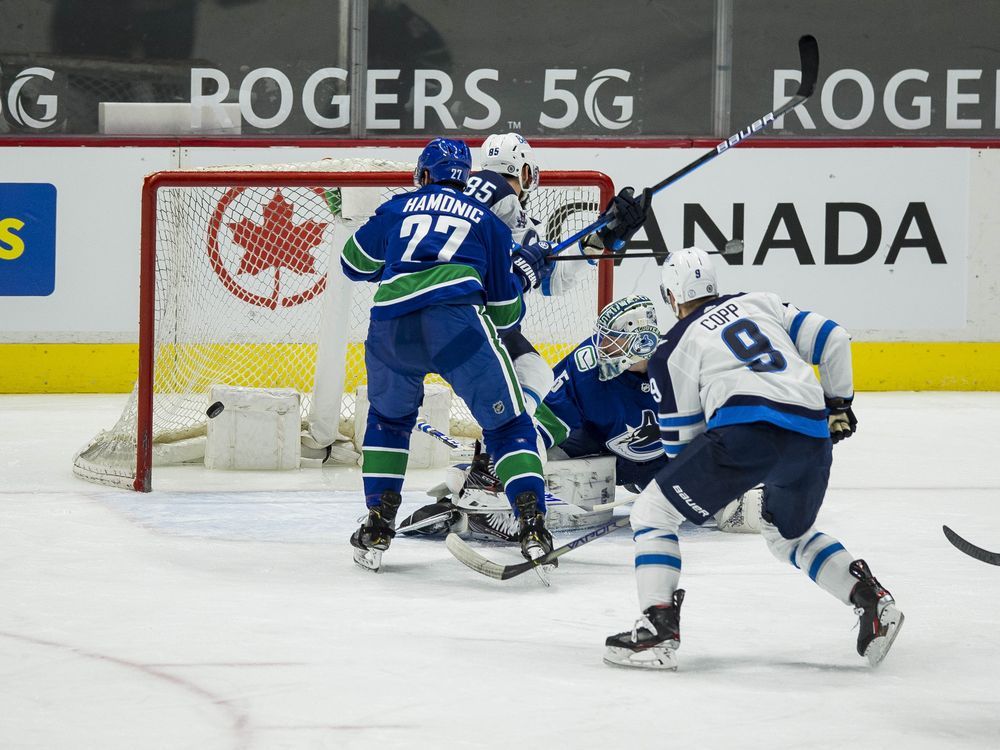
{"x": 232, "y": 616}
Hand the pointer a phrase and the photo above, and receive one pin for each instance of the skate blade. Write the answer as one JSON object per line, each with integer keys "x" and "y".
{"x": 659, "y": 657}
{"x": 892, "y": 620}
{"x": 370, "y": 559}
{"x": 542, "y": 571}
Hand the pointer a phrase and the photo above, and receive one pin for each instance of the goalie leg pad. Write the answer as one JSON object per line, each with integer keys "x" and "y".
{"x": 742, "y": 516}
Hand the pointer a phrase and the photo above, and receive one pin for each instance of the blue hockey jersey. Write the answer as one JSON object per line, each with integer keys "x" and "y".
{"x": 433, "y": 246}
{"x": 620, "y": 412}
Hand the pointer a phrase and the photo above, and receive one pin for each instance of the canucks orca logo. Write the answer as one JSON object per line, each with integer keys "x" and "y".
{"x": 641, "y": 443}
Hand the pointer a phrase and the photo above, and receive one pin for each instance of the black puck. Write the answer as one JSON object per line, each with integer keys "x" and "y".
{"x": 215, "y": 410}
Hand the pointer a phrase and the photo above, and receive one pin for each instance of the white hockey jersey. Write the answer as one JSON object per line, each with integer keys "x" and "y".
{"x": 492, "y": 189}
{"x": 744, "y": 358}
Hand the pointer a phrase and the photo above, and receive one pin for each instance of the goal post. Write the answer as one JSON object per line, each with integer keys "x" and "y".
{"x": 240, "y": 285}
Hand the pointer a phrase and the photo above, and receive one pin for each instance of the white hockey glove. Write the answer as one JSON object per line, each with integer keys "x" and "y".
{"x": 842, "y": 421}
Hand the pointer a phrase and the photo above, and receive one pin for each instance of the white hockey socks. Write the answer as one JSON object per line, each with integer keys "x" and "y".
{"x": 657, "y": 551}
{"x": 818, "y": 555}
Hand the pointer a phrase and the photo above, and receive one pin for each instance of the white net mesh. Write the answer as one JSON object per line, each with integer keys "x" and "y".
{"x": 240, "y": 273}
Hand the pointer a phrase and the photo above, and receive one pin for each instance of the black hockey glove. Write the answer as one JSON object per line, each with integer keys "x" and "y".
{"x": 842, "y": 421}
{"x": 530, "y": 261}
{"x": 625, "y": 215}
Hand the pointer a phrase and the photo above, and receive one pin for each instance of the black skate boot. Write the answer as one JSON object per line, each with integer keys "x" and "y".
{"x": 653, "y": 641}
{"x": 535, "y": 539}
{"x": 376, "y": 532}
{"x": 879, "y": 618}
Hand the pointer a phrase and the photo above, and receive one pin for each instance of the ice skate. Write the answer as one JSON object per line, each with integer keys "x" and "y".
{"x": 535, "y": 539}
{"x": 879, "y": 618}
{"x": 376, "y": 532}
{"x": 653, "y": 641}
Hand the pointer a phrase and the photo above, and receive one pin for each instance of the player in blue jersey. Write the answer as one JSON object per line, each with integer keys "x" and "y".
{"x": 509, "y": 174}
{"x": 739, "y": 404}
{"x": 446, "y": 289}
{"x": 600, "y": 403}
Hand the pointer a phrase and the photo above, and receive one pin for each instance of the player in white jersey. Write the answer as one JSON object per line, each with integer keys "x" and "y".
{"x": 739, "y": 405}
{"x": 509, "y": 173}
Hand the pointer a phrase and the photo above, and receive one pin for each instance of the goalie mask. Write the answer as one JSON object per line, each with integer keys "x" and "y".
{"x": 625, "y": 333}
{"x": 507, "y": 154}
{"x": 689, "y": 275}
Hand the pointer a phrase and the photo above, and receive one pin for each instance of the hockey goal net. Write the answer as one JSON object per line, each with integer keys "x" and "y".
{"x": 234, "y": 290}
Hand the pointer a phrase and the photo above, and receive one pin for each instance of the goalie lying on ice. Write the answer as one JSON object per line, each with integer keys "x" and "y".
{"x": 599, "y": 425}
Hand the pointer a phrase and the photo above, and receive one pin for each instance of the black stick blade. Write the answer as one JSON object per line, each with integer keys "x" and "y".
{"x": 809, "y": 54}
{"x": 993, "y": 558}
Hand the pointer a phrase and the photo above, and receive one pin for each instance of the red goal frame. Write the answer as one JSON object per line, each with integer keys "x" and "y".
{"x": 264, "y": 178}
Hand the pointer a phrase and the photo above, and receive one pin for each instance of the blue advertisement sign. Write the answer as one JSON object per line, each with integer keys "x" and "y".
{"x": 27, "y": 239}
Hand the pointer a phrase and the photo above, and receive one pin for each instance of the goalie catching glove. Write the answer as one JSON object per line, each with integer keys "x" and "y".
{"x": 625, "y": 216}
{"x": 842, "y": 421}
{"x": 530, "y": 261}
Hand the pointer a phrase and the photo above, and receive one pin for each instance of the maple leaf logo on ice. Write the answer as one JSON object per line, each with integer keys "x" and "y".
{"x": 278, "y": 242}
{"x": 267, "y": 243}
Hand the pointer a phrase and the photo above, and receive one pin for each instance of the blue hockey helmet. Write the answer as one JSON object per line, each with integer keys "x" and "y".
{"x": 446, "y": 160}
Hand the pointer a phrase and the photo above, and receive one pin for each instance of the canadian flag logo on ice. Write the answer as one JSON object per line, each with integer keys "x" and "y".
{"x": 263, "y": 249}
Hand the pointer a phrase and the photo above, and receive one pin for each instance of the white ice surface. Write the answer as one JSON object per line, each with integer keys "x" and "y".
{"x": 223, "y": 611}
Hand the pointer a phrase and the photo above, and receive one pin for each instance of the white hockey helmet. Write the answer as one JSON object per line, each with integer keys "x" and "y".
{"x": 689, "y": 275}
{"x": 625, "y": 333}
{"x": 507, "y": 154}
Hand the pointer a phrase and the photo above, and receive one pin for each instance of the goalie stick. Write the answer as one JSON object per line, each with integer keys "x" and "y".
{"x": 809, "y": 65}
{"x": 466, "y": 555}
{"x": 993, "y": 558}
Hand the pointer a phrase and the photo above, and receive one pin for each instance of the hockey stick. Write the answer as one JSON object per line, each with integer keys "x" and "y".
{"x": 809, "y": 65}
{"x": 466, "y": 555}
{"x": 431, "y": 430}
{"x": 993, "y": 558}
{"x": 733, "y": 247}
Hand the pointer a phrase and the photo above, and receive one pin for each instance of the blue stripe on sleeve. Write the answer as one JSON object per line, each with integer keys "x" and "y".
{"x": 793, "y": 332}
{"x": 821, "y": 337}
{"x": 822, "y": 558}
{"x": 668, "y": 422}
{"x": 640, "y": 532}
{"x": 669, "y": 560}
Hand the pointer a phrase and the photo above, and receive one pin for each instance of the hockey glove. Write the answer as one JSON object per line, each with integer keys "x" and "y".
{"x": 842, "y": 421}
{"x": 625, "y": 216}
{"x": 531, "y": 262}
{"x": 592, "y": 245}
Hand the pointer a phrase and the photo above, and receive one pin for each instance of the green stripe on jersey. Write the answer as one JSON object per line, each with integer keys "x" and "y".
{"x": 505, "y": 360}
{"x": 504, "y": 314}
{"x": 359, "y": 259}
{"x": 411, "y": 284}
{"x": 558, "y": 429}
{"x": 518, "y": 463}
{"x": 384, "y": 462}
